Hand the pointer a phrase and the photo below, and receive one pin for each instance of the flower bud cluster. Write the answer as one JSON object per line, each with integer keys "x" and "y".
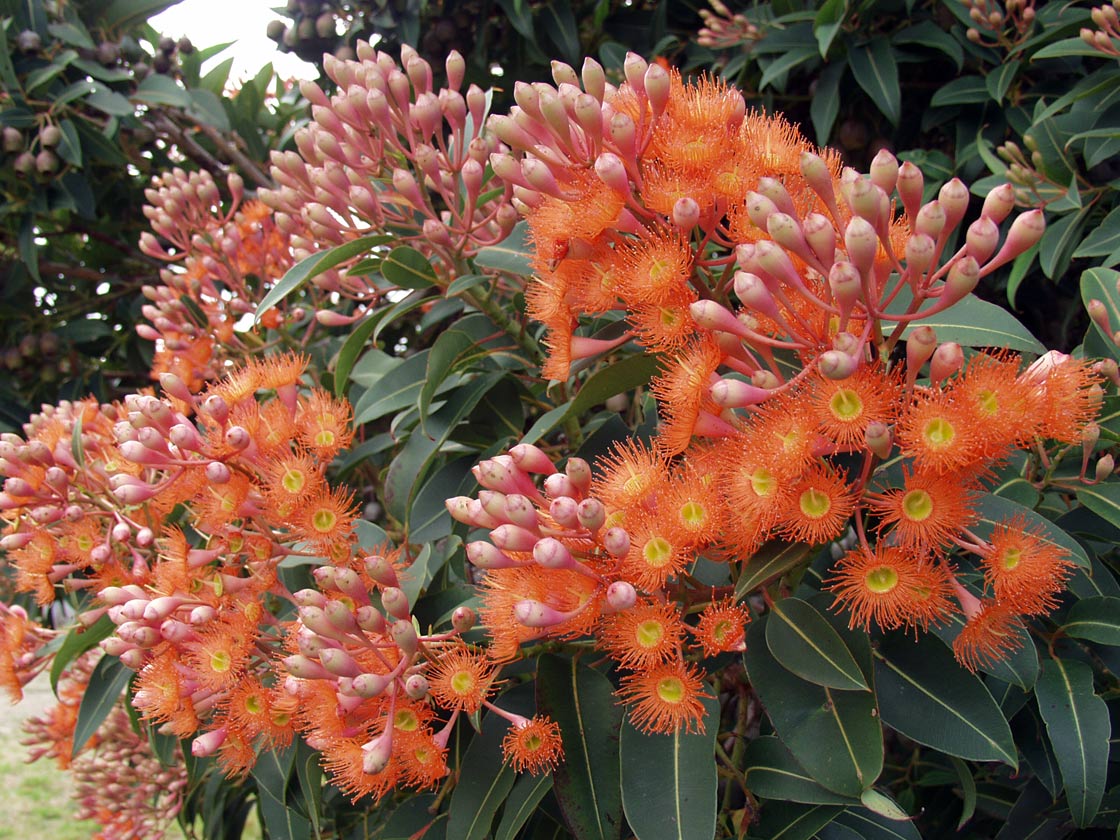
{"x": 1009, "y": 23}
{"x": 1106, "y": 37}
{"x": 389, "y": 152}
{"x": 724, "y": 30}
{"x": 221, "y": 263}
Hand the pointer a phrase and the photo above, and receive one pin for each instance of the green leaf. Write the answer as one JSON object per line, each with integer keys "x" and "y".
{"x": 1078, "y": 724}
{"x": 467, "y": 282}
{"x": 1000, "y": 79}
{"x": 272, "y": 771}
{"x": 397, "y": 389}
{"x": 631, "y": 372}
{"x": 928, "y": 34}
{"x": 70, "y": 147}
{"x": 834, "y": 735}
{"x": 804, "y": 643}
{"x": 773, "y": 773}
{"x": 158, "y": 89}
{"x": 967, "y": 90}
{"x": 560, "y": 27}
{"x": 793, "y": 821}
{"x": 777, "y": 69}
{"x": 968, "y": 790}
{"x": 527, "y": 793}
{"x": 109, "y": 102}
{"x": 485, "y": 780}
{"x": 1018, "y": 273}
{"x": 874, "y": 66}
{"x": 408, "y": 268}
{"x": 122, "y": 14}
{"x": 351, "y": 349}
{"x": 993, "y": 510}
{"x": 1094, "y": 619}
{"x": 770, "y": 561}
{"x": 882, "y": 805}
{"x": 669, "y": 781}
{"x": 825, "y": 106}
{"x": 1103, "y": 500}
{"x": 582, "y": 703}
{"x": 77, "y": 641}
{"x": 315, "y": 265}
{"x": 1056, "y": 247}
{"x": 74, "y": 34}
{"x": 972, "y": 322}
{"x": 106, "y": 683}
{"x": 513, "y": 254}
{"x": 924, "y": 694}
{"x": 1104, "y": 240}
{"x": 827, "y": 23}
{"x": 206, "y": 107}
{"x": 868, "y": 825}
{"x": 1066, "y": 48}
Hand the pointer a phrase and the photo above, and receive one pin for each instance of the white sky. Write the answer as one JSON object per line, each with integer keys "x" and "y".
{"x": 210, "y": 22}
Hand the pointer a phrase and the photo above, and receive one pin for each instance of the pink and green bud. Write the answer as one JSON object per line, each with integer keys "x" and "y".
{"x": 953, "y": 198}
{"x": 656, "y": 84}
{"x": 884, "y": 171}
{"x": 753, "y": 294}
{"x": 878, "y": 439}
{"x": 463, "y": 619}
{"x": 1104, "y": 467}
{"x": 964, "y": 274}
{"x": 1098, "y": 312}
{"x": 484, "y": 555}
{"x": 612, "y": 172}
{"x": 634, "y": 68}
{"x": 563, "y": 74}
{"x": 621, "y": 596}
{"x": 380, "y": 570}
{"x": 686, "y": 213}
{"x": 947, "y": 360}
{"x": 565, "y": 510}
{"x": 369, "y": 685}
{"x": 775, "y": 190}
{"x": 377, "y": 753}
{"x": 847, "y": 290}
{"x": 404, "y": 634}
{"x": 821, "y": 237}
{"x": 920, "y": 347}
{"x": 339, "y": 662}
{"x": 535, "y": 614}
{"x": 920, "y": 249}
{"x": 395, "y": 602}
{"x": 591, "y": 514}
{"x": 306, "y": 669}
{"x": 835, "y": 364}
{"x": 759, "y": 209}
{"x": 208, "y": 743}
{"x": 862, "y": 244}
{"x": 553, "y": 554}
{"x": 616, "y": 541}
{"x": 931, "y": 219}
{"x": 1026, "y": 230}
{"x": 416, "y": 686}
{"x": 735, "y": 393}
{"x": 521, "y": 512}
{"x": 982, "y": 238}
{"x": 819, "y": 178}
{"x": 711, "y": 315}
{"x": 999, "y": 203}
{"x": 594, "y": 78}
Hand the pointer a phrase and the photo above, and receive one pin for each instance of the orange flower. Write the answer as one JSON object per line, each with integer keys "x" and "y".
{"x": 644, "y": 635}
{"x": 817, "y": 507}
{"x": 324, "y": 424}
{"x": 988, "y": 636}
{"x": 327, "y": 519}
{"x": 1071, "y": 397}
{"x": 941, "y": 433}
{"x": 1010, "y": 413}
{"x": 666, "y": 325}
{"x": 754, "y": 494}
{"x": 533, "y": 745}
{"x": 665, "y": 698}
{"x": 290, "y": 479}
{"x": 722, "y": 627}
{"x": 461, "y": 680}
{"x": 1024, "y": 569}
{"x": 656, "y": 552}
{"x": 629, "y": 475}
{"x": 654, "y": 268}
{"x": 343, "y": 759}
{"x": 423, "y": 762}
{"x": 784, "y": 434}
{"x": 682, "y": 393}
{"x": 220, "y": 655}
{"x": 892, "y": 587}
{"x": 691, "y": 507}
{"x": 846, "y": 407}
{"x": 928, "y": 509}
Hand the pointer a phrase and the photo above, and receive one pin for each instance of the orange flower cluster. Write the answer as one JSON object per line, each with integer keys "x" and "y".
{"x": 774, "y": 285}
{"x": 605, "y": 556}
{"x": 221, "y": 263}
{"x": 176, "y": 514}
{"x": 118, "y": 781}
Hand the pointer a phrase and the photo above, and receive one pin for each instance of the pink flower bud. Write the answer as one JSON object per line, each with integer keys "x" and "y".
{"x": 339, "y": 662}
{"x": 416, "y": 686}
{"x": 1099, "y": 313}
{"x": 217, "y": 472}
{"x": 686, "y": 213}
{"x": 579, "y": 472}
{"x": 377, "y": 754}
{"x": 837, "y": 365}
{"x": 920, "y": 249}
{"x": 594, "y": 78}
{"x": 1104, "y": 468}
{"x": 930, "y": 219}
{"x": 752, "y": 292}
{"x": 306, "y": 669}
{"x": 775, "y": 190}
{"x": 844, "y": 281}
{"x": 820, "y": 235}
{"x": 564, "y": 74}
{"x": 176, "y": 387}
{"x": 513, "y": 538}
{"x": 878, "y": 439}
{"x": 532, "y": 459}
{"x": 370, "y": 685}
{"x": 863, "y": 198}
{"x": 552, "y": 554}
{"x": 404, "y": 634}
{"x": 656, "y": 83}
{"x": 861, "y": 243}
{"x": 565, "y": 510}
{"x": 884, "y": 171}
{"x": 208, "y": 743}
{"x": 999, "y": 203}
{"x": 591, "y": 514}
{"x": 634, "y": 68}
{"x": 760, "y": 209}
{"x": 616, "y": 542}
{"x": 463, "y": 619}
{"x": 735, "y": 393}
{"x": 953, "y": 198}
{"x": 380, "y": 570}
{"x": 484, "y": 555}
{"x": 819, "y": 178}
{"x": 964, "y": 274}
{"x": 395, "y": 602}
{"x": 982, "y": 238}
{"x": 134, "y": 494}
{"x": 530, "y": 613}
{"x": 612, "y": 172}
{"x": 559, "y": 485}
{"x": 621, "y": 596}
{"x": 711, "y": 315}
{"x": 920, "y": 346}
{"x": 947, "y": 360}
{"x": 1026, "y": 230}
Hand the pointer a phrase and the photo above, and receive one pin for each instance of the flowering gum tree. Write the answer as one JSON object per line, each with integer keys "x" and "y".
{"x": 823, "y": 537}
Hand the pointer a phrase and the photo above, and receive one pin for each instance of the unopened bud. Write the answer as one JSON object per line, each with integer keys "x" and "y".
{"x": 999, "y": 202}
{"x": 463, "y": 619}
{"x": 964, "y": 274}
{"x": 377, "y": 754}
{"x": 416, "y": 687}
{"x": 884, "y": 171}
{"x": 395, "y": 602}
{"x": 591, "y": 514}
{"x": 836, "y": 365}
{"x": 947, "y": 360}
{"x": 861, "y": 243}
{"x": 878, "y": 439}
{"x": 404, "y": 634}
{"x": 621, "y": 595}
{"x": 1105, "y": 467}
{"x": 982, "y": 238}
{"x": 953, "y": 198}
{"x": 686, "y": 213}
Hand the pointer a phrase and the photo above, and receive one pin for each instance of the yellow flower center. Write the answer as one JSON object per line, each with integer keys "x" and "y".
{"x": 323, "y": 520}
{"x": 670, "y": 689}
{"x": 657, "y": 551}
{"x": 406, "y": 720}
{"x": 324, "y": 438}
{"x": 531, "y": 741}
{"x": 462, "y": 682}
{"x": 989, "y": 403}
{"x": 693, "y": 514}
{"x": 917, "y": 505}
{"x": 220, "y": 661}
{"x": 1011, "y": 558}
{"x": 814, "y": 503}
{"x": 881, "y": 579}
{"x": 763, "y": 482}
{"x": 649, "y": 633}
{"x": 293, "y": 480}
{"x": 938, "y": 433}
{"x": 254, "y": 705}
{"x": 846, "y": 405}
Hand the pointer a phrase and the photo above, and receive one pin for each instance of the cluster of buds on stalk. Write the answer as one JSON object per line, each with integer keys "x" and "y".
{"x": 1106, "y": 37}
{"x": 724, "y": 30}
{"x": 1009, "y": 23}
{"x": 388, "y": 152}
{"x": 222, "y": 260}
{"x": 733, "y": 246}
{"x": 571, "y": 554}
{"x": 118, "y": 781}
{"x": 22, "y": 649}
